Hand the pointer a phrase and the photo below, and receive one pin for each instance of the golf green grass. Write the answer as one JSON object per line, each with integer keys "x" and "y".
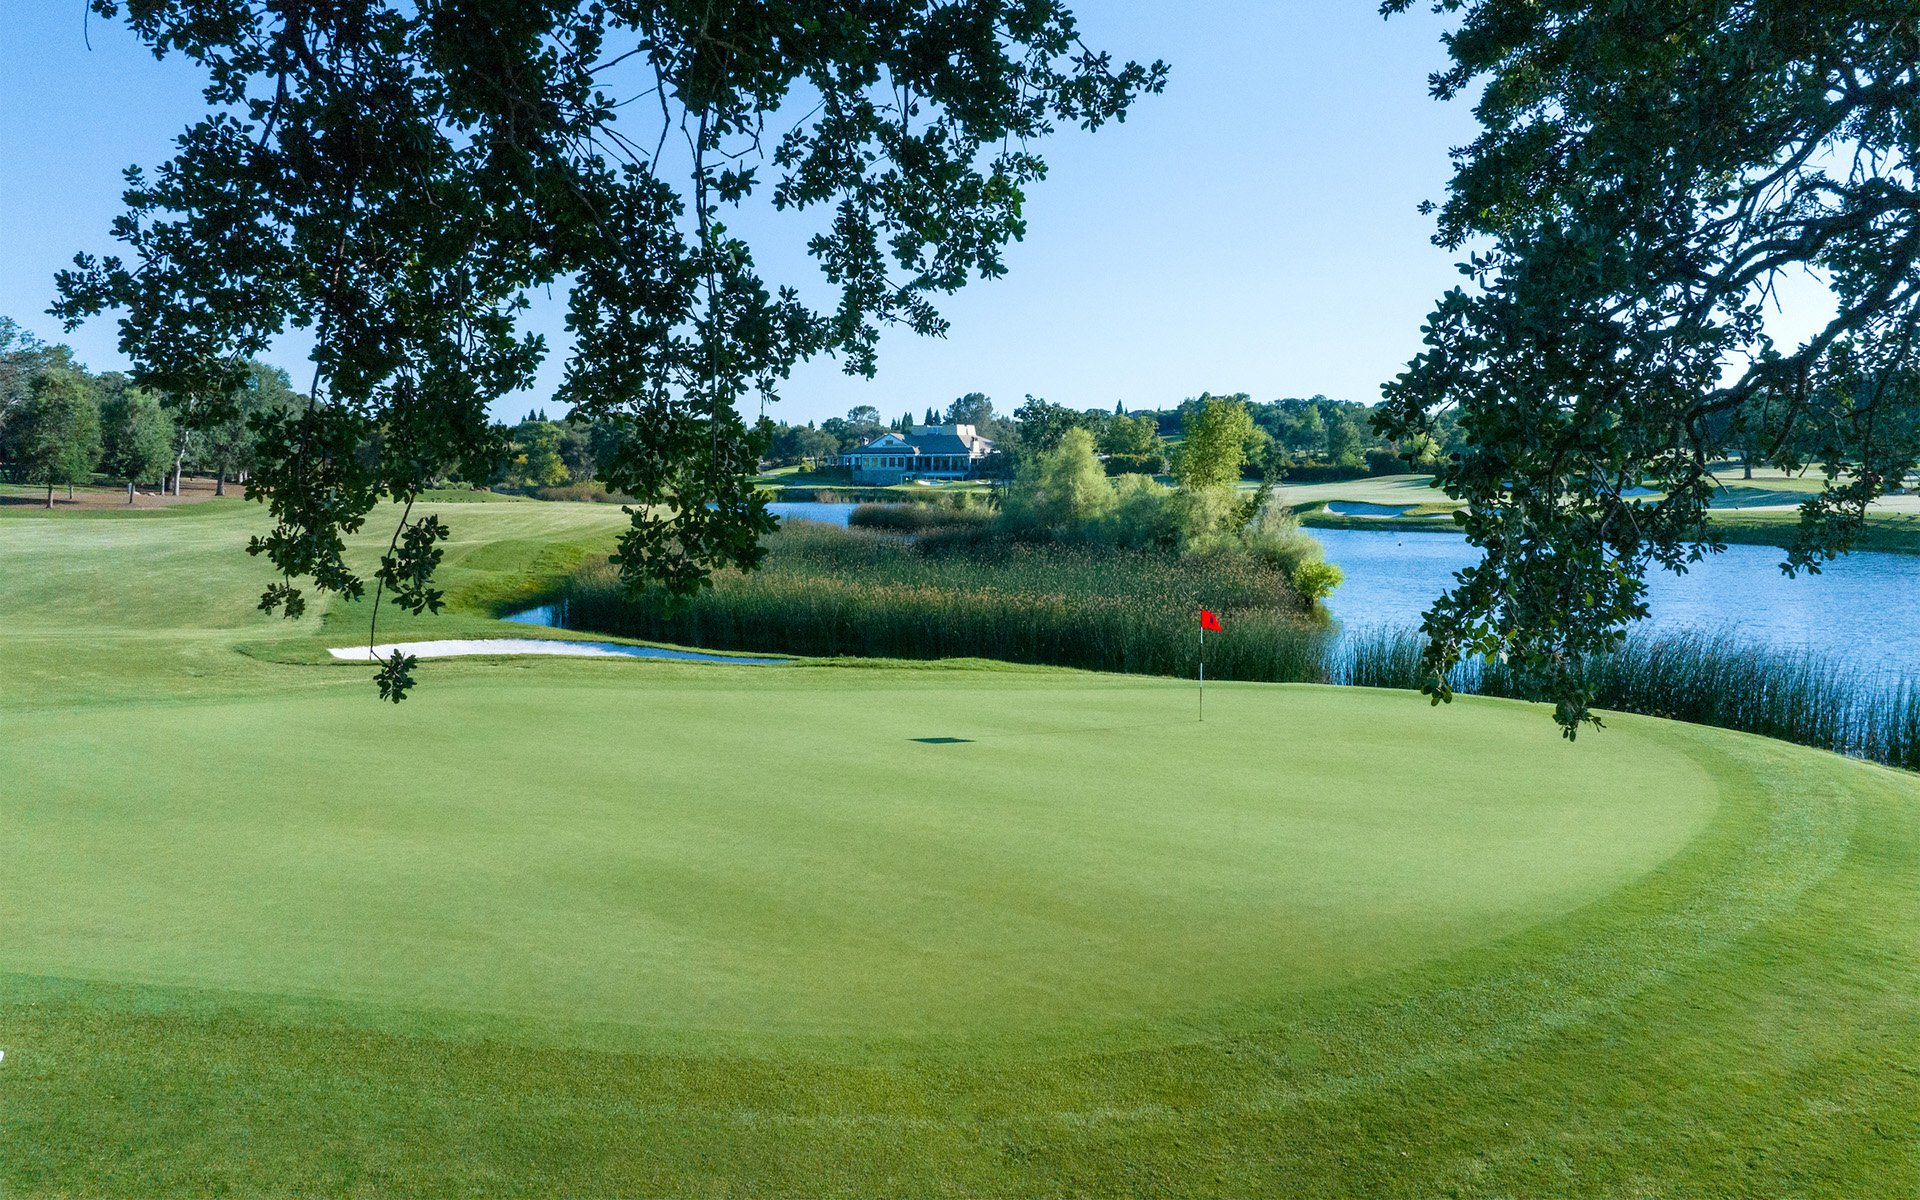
{"x": 638, "y": 928}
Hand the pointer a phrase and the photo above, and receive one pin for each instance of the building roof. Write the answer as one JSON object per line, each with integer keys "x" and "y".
{"x": 929, "y": 439}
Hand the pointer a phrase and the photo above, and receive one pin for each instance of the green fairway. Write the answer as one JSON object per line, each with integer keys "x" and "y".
{"x": 612, "y": 927}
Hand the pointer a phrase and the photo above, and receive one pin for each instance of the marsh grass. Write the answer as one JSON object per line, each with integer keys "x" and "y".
{"x": 830, "y": 592}
{"x": 914, "y": 519}
{"x": 1703, "y": 678}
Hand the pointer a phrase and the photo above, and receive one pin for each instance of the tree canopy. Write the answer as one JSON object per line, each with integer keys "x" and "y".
{"x": 398, "y": 178}
{"x": 1645, "y": 178}
{"x": 54, "y": 433}
{"x": 1218, "y": 431}
{"x": 136, "y": 436}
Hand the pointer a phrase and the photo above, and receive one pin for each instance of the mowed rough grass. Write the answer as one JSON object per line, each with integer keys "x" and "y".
{"x": 620, "y": 928}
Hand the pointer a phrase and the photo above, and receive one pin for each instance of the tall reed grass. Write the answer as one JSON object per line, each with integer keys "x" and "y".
{"x": 1703, "y": 678}
{"x": 920, "y": 518}
{"x": 824, "y": 591}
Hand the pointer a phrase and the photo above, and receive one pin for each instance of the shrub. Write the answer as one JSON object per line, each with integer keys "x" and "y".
{"x": 1061, "y": 492}
{"x": 1381, "y": 461}
{"x": 588, "y": 492}
{"x": 1144, "y": 515}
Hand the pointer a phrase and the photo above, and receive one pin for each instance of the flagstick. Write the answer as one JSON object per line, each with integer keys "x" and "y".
{"x": 1203, "y": 672}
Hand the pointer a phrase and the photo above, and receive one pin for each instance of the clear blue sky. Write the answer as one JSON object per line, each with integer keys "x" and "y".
{"x": 1253, "y": 229}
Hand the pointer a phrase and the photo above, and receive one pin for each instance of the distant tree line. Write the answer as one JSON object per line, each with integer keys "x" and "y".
{"x": 64, "y": 426}
{"x": 1311, "y": 439}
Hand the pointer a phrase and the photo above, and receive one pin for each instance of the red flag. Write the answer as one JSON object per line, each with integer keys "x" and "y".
{"x": 1209, "y": 621}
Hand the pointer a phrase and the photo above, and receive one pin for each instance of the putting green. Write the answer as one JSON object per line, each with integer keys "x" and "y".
{"x": 723, "y": 859}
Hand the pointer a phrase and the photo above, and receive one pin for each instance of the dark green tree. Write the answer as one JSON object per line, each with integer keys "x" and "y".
{"x": 1645, "y": 175}
{"x": 1040, "y": 424}
{"x": 803, "y": 444}
{"x": 23, "y": 358}
{"x": 536, "y": 460}
{"x": 1343, "y": 441}
{"x": 136, "y": 435}
{"x": 1308, "y": 432}
{"x": 973, "y": 409}
{"x": 577, "y": 451}
{"x": 400, "y": 177}
{"x": 228, "y": 445}
{"x": 54, "y": 434}
{"x": 1134, "y": 437}
{"x": 1133, "y": 445}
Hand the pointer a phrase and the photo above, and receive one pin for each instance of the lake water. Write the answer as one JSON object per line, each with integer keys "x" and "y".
{"x": 1860, "y": 609}
{"x": 800, "y": 510}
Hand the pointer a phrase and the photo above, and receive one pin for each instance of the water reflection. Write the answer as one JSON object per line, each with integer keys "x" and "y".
{"x": 1859, "y": 609}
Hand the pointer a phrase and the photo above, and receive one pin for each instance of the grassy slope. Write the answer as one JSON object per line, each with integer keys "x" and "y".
{"x": 99, "y": 605}
{"x": 643, "y": 928}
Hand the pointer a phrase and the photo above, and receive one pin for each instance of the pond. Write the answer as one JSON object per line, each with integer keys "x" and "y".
{"x": 1859, "y": 609}
{"x": 806, "y": 510}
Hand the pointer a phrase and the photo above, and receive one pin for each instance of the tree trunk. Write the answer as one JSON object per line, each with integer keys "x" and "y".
{"x": 1746, "y": 462}
{"x": 220, "y": 481}
{"x": 178, "y": 460}
{"x": 69, "y": 489}
{"x": 49, "y": 493}
{"x": 129, "y": 491}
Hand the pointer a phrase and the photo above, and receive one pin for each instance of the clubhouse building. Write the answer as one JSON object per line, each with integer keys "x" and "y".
{"x": 923, "y": 452}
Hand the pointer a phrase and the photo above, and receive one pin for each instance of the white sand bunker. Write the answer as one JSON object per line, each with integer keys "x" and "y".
{"x": 457, "y": 649}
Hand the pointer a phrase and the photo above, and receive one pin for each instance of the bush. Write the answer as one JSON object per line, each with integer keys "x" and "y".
{"x": 1321, "y": 473}
{"x": 1061, "y": 492}
{"x": 1274, "y": 536}
{"x": 1386, "y": 462}
{"x": 1144, "y": 515}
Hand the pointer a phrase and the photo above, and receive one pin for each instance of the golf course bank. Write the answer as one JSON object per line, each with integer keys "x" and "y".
{"x": 618, "y": 926}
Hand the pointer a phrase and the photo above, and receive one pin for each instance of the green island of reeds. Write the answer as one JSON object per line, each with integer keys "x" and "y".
{"x": 874, "y": 593}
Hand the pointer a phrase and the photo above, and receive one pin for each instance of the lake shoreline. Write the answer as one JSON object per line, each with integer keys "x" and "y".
{"x": 1893, "y": 533}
